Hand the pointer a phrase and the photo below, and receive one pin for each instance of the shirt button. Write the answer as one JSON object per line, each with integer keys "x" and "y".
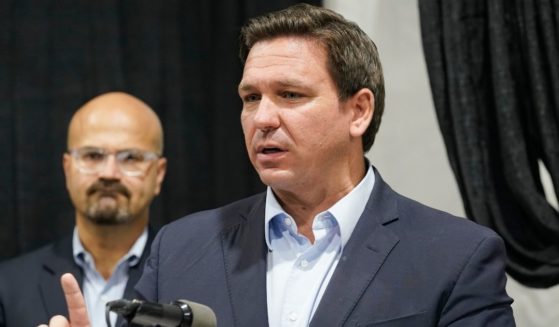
{"x": 287, "y": 221}
{"x": 293, "y": 316}
{"x": 304, "y": 263}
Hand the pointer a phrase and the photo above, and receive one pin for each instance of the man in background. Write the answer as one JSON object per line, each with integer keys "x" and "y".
{"x": 113, "y": 168}
{"x": 329, "y": 243}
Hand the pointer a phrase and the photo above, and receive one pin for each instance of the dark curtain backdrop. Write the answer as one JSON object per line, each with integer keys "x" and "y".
{"x": 494, "y": 71}
{"x": 178, "y": 56}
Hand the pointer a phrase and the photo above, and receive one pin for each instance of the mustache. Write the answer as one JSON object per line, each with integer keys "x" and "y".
{"x": 111, "y": 187}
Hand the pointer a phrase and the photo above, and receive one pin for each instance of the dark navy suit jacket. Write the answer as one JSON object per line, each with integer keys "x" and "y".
{"x": 404, "y": 265}
{"x": 30, "y": 291}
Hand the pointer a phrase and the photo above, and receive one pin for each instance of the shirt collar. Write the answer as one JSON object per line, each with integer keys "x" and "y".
{"x": 133, "y": 256}
{"x": 273, "y": 209}
{"x": 346, "y": 211}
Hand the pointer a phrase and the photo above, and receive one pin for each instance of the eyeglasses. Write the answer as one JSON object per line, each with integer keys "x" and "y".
{"x": 131, "y": 162}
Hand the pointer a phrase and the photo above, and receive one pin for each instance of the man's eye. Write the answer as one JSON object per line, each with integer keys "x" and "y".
{"x": 131, "y": 157}
{"x": 291, "y": 95}
{"x": 251, "y": 98}
{"x": 93, "y": 156}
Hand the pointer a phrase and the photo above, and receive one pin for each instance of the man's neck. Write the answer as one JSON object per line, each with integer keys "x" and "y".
{"x": 305, "y": 204}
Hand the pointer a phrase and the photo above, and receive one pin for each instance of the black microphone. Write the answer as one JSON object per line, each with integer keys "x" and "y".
{"x": 179, "y": 313}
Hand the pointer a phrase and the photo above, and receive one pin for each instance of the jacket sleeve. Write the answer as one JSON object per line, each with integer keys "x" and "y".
{"x": 479, "y": 297}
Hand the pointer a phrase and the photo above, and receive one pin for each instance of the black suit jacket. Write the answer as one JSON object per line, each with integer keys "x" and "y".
{"x": 30, "y": 291}
{"x": 404, "y": 265}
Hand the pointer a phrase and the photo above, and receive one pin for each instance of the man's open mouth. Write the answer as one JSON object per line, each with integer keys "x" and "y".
{"x": 271, "y": 150}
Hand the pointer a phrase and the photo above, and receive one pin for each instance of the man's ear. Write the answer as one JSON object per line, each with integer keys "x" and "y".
{"x": 66, "y": 158}
{"x": 362, "y": 105}
{"x": 67, "y": 167}
{"x": 161, "y": 170}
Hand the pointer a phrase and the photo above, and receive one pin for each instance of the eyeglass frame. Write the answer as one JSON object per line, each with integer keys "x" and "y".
{"x": 147, "y": 155}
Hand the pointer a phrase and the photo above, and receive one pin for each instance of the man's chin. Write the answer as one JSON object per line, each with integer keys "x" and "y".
{"x": 276, "y": 179}
{"x": 108, "y": 217}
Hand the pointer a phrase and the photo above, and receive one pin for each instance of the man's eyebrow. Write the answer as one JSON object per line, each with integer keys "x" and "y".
{"x": 246, "y": 87}
{"x": 280, "y": 83}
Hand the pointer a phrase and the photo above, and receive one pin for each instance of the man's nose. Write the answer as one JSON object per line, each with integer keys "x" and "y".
{"x": 266, "y": 116}
{"x": 110, "y": 168}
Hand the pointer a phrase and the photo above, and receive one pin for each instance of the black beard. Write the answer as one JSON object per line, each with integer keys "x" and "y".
{"x": 107, "y": 216}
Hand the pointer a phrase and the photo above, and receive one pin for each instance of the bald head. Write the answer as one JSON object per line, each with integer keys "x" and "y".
{"x": 116, "y": 117}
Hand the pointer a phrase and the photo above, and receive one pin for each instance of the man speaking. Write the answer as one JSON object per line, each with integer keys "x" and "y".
{"x": 329, "y": 243}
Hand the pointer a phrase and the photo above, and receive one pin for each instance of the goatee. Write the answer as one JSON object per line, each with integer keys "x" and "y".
{"x": 107, "y": 215}
{"x": 111, "y": 213}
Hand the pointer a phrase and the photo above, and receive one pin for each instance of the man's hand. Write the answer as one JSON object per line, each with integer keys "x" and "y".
{"x": 57, "y": 321}
{"x": 76, "y": 305}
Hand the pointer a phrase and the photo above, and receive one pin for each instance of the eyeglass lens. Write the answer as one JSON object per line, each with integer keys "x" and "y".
{"x": 129, "y": 161}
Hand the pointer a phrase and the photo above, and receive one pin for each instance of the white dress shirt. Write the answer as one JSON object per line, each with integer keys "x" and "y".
{"x": 298, "y": 272}
{"x": 96, "y": 290}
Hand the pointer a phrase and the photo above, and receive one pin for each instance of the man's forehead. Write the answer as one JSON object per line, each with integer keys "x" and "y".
{"x": 286, "y": 48}
{"x": 112, "y": 134}
{"x": 284, "y": 61}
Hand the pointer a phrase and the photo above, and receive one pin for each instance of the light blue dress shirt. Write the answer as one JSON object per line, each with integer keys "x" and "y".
{"x": 96, "y": 290}
{"x": 298, "y": 271}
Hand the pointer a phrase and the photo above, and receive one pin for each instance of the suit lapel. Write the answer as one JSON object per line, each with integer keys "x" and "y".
{"x": 245, "y": 252}
{"x": 61, "y": 261}
{"x": 135, "y": 271}
{"x": 365, "y": 252}
{"x": 134, "y": 274}
{"x": 58, "y": 262}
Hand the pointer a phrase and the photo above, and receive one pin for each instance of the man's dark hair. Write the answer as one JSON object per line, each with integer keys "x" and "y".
{"x": 353, "y": 60}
